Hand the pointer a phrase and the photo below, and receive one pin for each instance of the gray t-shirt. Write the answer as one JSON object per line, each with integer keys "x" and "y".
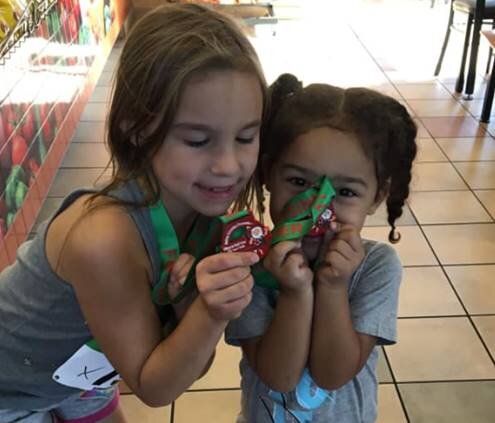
{"x": 373, "y": 296}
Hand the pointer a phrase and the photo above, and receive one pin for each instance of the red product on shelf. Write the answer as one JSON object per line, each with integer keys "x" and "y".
{"x": 19, "y": 149}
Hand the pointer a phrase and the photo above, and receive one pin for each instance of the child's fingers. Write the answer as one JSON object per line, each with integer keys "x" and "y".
{"x": 229, "y": 293}
{"x": 231, "y": 310}
{"x": 279, "y": 253}
{"x": 181, "y": 268}
{"x": 343, "y": 247}
{"x": 349, "y": 233}
{"x": 336, "y": 262}
{"x": 224, "y": 261}
{"x": 217, "y": 281}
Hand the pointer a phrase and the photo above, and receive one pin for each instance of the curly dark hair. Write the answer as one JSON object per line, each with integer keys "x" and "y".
{"x": 382, "y": 125}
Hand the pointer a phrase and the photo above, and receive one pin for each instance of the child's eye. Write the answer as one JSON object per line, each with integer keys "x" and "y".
{"x": 346, "y": 192}
{"x": 245, "y": 140}
{"x": 298, "y": 182}
{"x": 196, "y": 143}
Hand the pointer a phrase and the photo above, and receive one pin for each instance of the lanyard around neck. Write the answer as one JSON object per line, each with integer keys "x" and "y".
{"x": 200, "y": 241}
{"x": 301, "y": 215}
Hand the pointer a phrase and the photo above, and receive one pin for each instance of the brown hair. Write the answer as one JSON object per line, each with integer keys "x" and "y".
{"x": 383, "y": 126}
{"x": 165, "y": 48}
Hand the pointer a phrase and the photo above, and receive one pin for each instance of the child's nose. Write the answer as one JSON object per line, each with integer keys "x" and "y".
{"x": 225, "y": 162}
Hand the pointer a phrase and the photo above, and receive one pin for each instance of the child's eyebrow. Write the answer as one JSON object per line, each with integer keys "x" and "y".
{"x": 203, "y": 127}
{"x": 349, "y": 180}
{"x": 301, "y": 169}
{"x": 342, "y": 179}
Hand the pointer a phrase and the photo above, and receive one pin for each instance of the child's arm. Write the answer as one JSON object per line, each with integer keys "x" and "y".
{"x": 105, "y": 261}
{"x": 280, "y": 355}
{"x": 178, "y": 275}
{"x": 338, "y": 352}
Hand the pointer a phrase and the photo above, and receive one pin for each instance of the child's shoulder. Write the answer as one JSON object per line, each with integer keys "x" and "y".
{"x": 96, "y": 235}
{"x": 380, "y": 254}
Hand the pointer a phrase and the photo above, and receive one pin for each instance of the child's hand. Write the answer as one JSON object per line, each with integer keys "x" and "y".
{"x": 177, "y": 278}
{"x": 224, "y": 283}
{"x": 342, "y": 252}
{"x": 287, "y": 263}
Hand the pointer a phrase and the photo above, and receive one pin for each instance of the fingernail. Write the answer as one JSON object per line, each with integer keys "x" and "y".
{"x": 254, "y": 258}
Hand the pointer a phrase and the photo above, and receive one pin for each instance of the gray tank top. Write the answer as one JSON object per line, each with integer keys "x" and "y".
{"x": 41, "y": 324}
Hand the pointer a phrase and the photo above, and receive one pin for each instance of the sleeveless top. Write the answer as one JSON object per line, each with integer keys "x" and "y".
{"x": 41, "y": 324}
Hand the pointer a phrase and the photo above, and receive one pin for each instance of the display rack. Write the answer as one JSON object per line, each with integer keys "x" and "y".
{"x": 49, "y": 66}
{"x": 35, "y": 10}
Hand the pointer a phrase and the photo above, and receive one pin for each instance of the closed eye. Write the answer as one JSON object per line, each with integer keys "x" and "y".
{"x": 196, "y": 144}
{"x": 244, "y": 140}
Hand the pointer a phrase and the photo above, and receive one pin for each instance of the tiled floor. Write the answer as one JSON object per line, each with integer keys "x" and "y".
{"x": 442, "y": 369}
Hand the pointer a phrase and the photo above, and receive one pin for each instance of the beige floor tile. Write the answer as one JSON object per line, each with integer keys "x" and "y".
{"x": 479, "y": 88}
{"x": 468, "y": 149}
{"x": 447, "y": 207}
{"x": 429, "y": 151}
{"x": 463, "y": 244}
{"x": 456, "y": 402}
{"x": 380, "y": 217}
{"x": 475, "y": 286}
{"x": 90, "y": 132}
{"x": 488, "y": 200}
{"x": 453, "y": 126}
{"x": 436, "y": 177}
{"x": 387, "y": 89}
{"x": 207, "y": 407}
{"x": 389, "y": 406}
{"x": 224, "y": 372}
{"x": 95, "y": 111}
{"x": 423, "y": 91}
{"x": 478, "y": 175}
{"x": 69, "y": 179}
{"x": 420, "y": 291}
{"x": 83, "y": 154}
{"x": 411, "y": 112}
{"x": 382, "y": 369}
{"x": 486, "y": 326}
{"x": 137, "y": 412}
{"x": 422, "y": 131}
{"x": 440, "y": 349}
{"x": 433, "y": 108}
{"x": 475, "y": 107}
{"x": 413, "y": 249}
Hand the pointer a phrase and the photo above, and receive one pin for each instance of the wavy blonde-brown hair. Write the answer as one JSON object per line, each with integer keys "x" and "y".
{"x": 165, "y": 48}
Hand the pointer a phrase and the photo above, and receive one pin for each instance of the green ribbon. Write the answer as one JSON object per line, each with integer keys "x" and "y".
{"x": 200, "y": 242}
{"x": 298, "y": 217}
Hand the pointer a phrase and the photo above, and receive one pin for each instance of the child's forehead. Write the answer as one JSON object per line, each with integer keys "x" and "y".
{"x": 326, "y": 151}
{"x": 219, "y": 95}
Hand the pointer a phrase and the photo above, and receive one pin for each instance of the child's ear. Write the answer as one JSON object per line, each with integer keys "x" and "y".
{"x": 380, "y": 196}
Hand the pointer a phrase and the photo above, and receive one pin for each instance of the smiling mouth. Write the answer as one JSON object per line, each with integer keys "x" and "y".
{"x": 217, "y": 191}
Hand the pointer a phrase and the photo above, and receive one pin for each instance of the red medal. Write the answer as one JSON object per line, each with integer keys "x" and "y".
{"x": 323, "y": 222}
{"x": 245, "y": 234}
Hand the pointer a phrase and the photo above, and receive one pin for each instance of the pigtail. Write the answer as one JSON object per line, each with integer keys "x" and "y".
{"x": 402, "y": 153}
{"x": 279, "y": 94}
{"x": 285, "y": 86}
